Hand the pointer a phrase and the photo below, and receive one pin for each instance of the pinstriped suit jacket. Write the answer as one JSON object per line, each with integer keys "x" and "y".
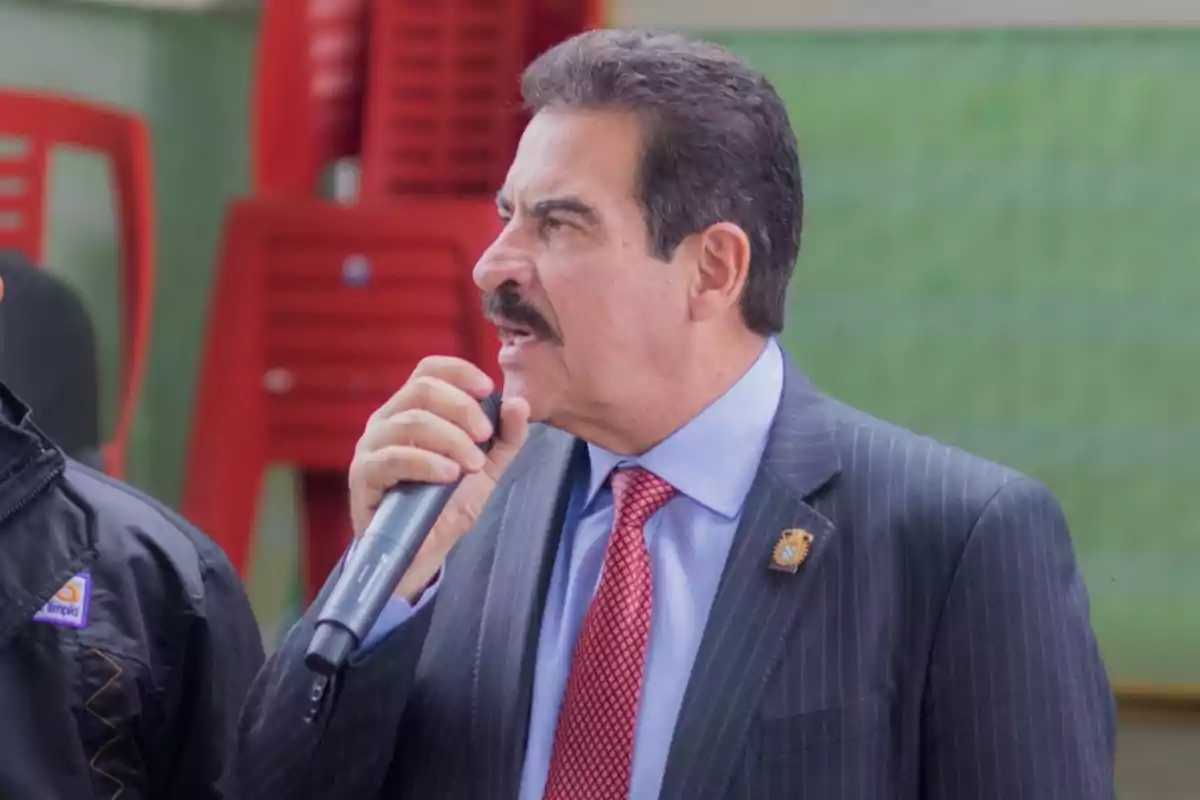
{"x": 935, "y": 644}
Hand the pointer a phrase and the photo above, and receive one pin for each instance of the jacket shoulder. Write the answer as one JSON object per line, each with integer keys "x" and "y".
{"x": 922, "y": 459}
{"x": 920, "y": 485}
{"x": 156, "y": 547}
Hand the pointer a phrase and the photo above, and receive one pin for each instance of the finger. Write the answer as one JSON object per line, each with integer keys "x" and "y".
{"x": 514, "y": 428}
{"x": 454, "y": 371}
{"x": 423, "y": 429}
{"x": 374, "y": 473}
{"x": 447, "y": 401}
{"x": 458, "y": 372}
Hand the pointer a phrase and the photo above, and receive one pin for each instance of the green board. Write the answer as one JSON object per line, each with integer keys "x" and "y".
{"x": 1003, "y": 251}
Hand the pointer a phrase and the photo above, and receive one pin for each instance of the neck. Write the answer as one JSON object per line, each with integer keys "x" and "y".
{"x": 667, "y": 403}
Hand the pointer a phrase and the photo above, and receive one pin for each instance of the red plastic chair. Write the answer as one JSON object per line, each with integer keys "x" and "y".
{"x": 319, "y": 313}
{"x": 550, "y": 22}
{"x": 442, "y": 108}
{"x": 553, "y": 21}
{"x": 31, "y": 125}
{"x": 308, "y": 94}
{"x": 443, "y": 111}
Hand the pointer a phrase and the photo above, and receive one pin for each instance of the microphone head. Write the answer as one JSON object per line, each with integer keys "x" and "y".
{"x": 491, "y": 407}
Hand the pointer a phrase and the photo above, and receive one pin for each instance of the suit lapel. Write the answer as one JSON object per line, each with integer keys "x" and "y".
{"x": 755, "y": 607}
{"x": 526, "y": 542}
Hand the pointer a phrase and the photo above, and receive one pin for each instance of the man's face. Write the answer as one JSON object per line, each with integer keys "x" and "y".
{"x": 585, "y": 312}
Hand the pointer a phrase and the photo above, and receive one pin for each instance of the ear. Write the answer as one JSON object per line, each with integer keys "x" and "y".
{"x": 723, "y": 264}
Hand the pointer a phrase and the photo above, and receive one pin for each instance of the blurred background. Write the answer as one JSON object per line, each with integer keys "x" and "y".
{"x": 1002, "y": 250}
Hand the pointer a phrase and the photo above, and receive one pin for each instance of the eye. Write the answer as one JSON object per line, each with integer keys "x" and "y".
{"x": 551, "y": 224}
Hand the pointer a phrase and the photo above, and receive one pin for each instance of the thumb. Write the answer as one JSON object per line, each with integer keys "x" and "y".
{"x": 514, "y": 428}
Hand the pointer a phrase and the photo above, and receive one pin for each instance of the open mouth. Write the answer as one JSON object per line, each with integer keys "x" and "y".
{"x": 516, "y": 321}
{"x": 513, "y": 335}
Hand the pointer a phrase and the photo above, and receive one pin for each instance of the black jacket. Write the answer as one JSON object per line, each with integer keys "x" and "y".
{"x": 126, "y": 641}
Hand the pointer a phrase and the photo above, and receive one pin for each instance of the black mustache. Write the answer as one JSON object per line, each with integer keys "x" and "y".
{"x": 505, "y": 305}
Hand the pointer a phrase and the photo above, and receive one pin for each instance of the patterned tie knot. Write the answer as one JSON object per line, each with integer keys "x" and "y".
{"x": 637, "y": 494}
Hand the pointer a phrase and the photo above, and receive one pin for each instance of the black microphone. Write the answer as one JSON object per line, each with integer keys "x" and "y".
{"x": 379, "y": 559}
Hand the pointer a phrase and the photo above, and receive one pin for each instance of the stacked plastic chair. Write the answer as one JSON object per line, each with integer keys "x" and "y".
{"x": 31, "y": 126}
{"x": 322, "y": 309}
{"x": 441, "y": 116}
{"x": 308, "y": 92}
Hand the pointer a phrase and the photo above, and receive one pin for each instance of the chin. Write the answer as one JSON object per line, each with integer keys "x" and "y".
{"x": 517, "y": 384}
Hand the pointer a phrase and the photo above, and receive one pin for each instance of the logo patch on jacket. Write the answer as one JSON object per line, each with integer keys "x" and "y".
{"x": 69, "y": 606}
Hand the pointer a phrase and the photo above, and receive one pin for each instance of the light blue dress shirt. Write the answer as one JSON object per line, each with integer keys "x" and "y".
{"x": 711, "y": 461}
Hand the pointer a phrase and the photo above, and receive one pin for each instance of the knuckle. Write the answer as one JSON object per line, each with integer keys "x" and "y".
{"x": 428, "y": 364}
{"x": 365, "y": 442}
{"x": 380, "y": 463}
{"x": 459, "y": 404}
{"x": 364, "y": 467}
{"x": 423, "y": 388}
{"x": 371, "y": 436}
{"x": 388, "y": 405}
{"x": 407, "y": 426}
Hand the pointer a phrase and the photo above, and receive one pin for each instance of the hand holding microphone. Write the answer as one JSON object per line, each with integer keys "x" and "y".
{"x": 430, "y": 432}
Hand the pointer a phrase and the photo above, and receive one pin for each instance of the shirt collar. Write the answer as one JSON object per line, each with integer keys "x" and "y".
{"x": 714, "y": 458}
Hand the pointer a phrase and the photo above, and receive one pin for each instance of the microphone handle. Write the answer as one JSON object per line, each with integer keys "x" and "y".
{"x": 376, "y": 564}
{"x": 379, "y": 560}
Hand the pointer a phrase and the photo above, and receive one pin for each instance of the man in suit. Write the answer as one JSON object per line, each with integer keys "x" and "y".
{"x": 694, "y": 575}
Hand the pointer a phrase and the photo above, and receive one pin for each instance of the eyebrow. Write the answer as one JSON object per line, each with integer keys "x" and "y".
{"x": 544, "y": 208}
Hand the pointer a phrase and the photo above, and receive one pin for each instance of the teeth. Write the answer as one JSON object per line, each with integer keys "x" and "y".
{"x": 514, "y": 336}
{"x": 517, "y": 337}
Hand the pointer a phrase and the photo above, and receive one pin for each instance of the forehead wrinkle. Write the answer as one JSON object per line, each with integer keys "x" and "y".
{"x": 558, "y": 147}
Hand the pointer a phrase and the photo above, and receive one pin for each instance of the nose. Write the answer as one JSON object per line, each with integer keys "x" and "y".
{"x": 500, "y": 264}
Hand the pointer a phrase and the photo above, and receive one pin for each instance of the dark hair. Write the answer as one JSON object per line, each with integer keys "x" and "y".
{"x": 718, "y": 145}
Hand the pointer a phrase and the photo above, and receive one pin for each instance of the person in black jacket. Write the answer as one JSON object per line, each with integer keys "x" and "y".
{"x": 127, "y": 642}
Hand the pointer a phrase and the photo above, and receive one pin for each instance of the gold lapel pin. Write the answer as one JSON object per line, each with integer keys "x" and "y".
{"x": 791, "y": 550}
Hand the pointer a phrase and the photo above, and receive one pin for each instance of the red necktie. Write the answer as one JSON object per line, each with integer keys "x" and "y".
{"x": 593, "y": 745}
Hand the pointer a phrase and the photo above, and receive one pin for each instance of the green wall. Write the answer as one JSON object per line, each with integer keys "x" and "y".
{"x": 1001, "y": 251}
